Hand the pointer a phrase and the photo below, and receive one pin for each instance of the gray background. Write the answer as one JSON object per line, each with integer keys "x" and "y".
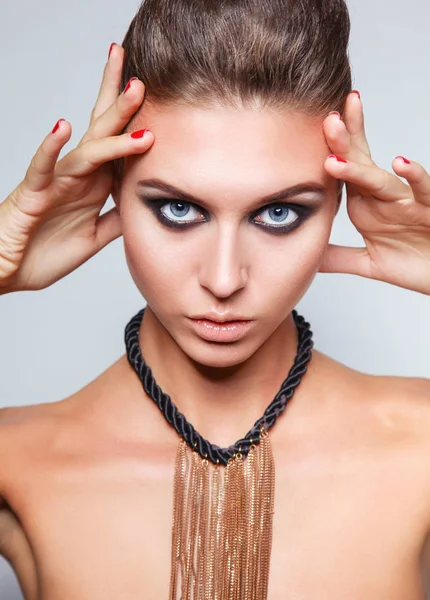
{"x": 55, "y": 341}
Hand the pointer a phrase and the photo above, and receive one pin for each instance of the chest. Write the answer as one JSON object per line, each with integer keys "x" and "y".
{"x": 348, "y": 526}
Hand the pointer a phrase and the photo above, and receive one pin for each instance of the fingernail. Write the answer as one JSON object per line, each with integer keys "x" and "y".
{"x": 356, "y": 92}
{"x": 338, "y": 158}
{"x": 57, "y": 125}
{"x": 129, "y": 84}
{"x": 110, "y": 49}
{"x": 408, "y": 162}
{"x": 335, "y": 112}
{"x": 138, "y": 134}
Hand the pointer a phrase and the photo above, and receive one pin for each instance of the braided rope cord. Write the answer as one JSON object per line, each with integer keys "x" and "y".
{"x": 207, "y": 450}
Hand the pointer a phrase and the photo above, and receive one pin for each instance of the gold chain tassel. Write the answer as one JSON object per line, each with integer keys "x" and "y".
{"x": 222, "y": 525}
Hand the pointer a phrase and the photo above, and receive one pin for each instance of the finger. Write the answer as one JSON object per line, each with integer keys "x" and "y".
{"x": 42, "y": 167}
{"x": 110, "y": 85}
{"x": 343, "y": 259}
{"x": 417, "y": 177}
{"x": 369, "y": 179}
{"x": 87, "y": 158}
{"x": 337, "y": 136}
{"x": 354, "y": 121}
{"x": 108, "y": 228}
{"x": 119, "y": 114}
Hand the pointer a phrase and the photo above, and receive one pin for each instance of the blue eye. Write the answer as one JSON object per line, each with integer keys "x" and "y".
{"x": 280, "y": 214}
{"x": 179, "y": 214}
{"x": 179, "y": 210}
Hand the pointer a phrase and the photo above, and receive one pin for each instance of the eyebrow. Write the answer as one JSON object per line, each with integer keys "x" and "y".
{"x": 310, "y": 187}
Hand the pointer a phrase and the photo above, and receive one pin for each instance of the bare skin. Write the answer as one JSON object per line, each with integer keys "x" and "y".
{"x": 87, "y": 486}
{"x": 87, "y": 482}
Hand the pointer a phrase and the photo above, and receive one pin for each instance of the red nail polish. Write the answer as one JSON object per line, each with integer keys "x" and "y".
{"x": 110, "y": 49}
{"x": 57, "y": 125}
{"x": 356, "y": 92}
{"x": 408, "y": 162}
{"x": 129, "y": 84}
{"x": 138, "y": 134}
{"x": 338, "y": 158}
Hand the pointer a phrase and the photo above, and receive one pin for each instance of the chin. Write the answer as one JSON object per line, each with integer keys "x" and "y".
{"x": 218, "y": 356}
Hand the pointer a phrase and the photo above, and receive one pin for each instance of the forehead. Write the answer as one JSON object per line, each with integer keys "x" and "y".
{"x": 228, "y": 147}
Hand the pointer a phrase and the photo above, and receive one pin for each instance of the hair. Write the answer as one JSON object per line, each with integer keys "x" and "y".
{"x": 279, "y": 54}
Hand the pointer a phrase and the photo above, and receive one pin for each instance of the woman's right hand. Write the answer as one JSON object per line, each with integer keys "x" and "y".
{"x": 51, "y": 224}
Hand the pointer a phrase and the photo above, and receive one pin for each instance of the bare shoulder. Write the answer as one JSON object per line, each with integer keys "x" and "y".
{"x": 405, "y": 402}
{"x": 398, "y": 399}
{"x": 29, "y": 420}
{"x": 15, "y": 434}
{"x": 409, "y": 397}
{"x": 401, "y": 405}
{"x": 104, "y": 408}
{"x": 23, "y": 430}
{"x": 33, "y": 435}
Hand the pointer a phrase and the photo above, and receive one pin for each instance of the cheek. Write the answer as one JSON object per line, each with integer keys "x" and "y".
{"x": 286, "y": 271}
{"x": 300, "y": 252}
{"x": 154, "y": 262}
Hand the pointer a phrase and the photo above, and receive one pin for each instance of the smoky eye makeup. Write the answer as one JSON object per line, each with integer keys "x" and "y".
{"x": 286, "y": 216}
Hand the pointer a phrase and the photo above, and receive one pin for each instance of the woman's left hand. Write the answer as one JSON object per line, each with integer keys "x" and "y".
{"x": 392, "y": 216}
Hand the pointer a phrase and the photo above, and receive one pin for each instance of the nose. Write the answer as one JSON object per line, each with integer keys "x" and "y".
{"x": 223, "y": 270}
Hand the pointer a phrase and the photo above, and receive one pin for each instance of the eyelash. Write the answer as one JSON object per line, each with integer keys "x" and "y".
{"x": 155, "y": 205}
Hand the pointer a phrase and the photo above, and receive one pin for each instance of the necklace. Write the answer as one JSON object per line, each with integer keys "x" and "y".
{"x": 223, "y": 498}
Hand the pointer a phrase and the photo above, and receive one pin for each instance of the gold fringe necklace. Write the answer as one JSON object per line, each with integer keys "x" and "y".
{"x": 223, "y": 502}
{"x": 222, "y": 525}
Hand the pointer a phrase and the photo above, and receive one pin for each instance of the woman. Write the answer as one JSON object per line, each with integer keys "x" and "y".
{"x": 225, "y": 204}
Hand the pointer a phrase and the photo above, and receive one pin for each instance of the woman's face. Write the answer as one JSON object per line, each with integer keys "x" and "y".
{"x": 220, "y": 243}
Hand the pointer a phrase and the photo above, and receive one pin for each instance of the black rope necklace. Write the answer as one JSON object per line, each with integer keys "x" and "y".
{"x": 207, "y": 450}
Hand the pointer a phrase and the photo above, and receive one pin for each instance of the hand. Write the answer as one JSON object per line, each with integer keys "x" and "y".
{"x": 51, "y": 224}
{"x": 392, "y": 216}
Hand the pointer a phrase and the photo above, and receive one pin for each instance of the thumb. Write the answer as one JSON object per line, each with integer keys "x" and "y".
{"x": 344, "y": 259}
{"x": 108, "y": 228}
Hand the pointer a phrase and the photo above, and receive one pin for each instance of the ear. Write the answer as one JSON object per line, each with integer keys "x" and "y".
{"x": 115, "y": 193}
{"x": 339, "y": 195}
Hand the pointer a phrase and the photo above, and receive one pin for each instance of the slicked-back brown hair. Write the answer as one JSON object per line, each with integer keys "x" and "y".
{"x": 282, "y": 54}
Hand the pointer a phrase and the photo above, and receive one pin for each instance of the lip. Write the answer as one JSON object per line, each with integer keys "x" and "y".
{"x": 218, "y": 318}
{"x": 227, "y": 331}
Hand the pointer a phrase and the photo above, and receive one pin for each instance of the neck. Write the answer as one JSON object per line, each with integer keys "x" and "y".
{"x": 222, "y": 403}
